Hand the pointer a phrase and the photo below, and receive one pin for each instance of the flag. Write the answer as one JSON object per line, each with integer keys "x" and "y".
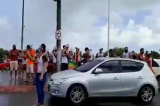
{"x": 72, "y": 65}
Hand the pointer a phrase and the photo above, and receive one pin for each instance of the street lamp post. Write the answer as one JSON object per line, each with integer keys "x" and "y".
{"x": 58, "y": 29}
{"x": 22, "y": 27}
{"x": 108, "y": 26}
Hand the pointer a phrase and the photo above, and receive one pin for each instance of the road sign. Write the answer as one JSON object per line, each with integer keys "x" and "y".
{"x": 58, "y": 34}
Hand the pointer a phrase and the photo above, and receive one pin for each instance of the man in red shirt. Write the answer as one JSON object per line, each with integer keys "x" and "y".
{"x": 13, "y": 61}
{"x": 148, "y": 56}
{"x": 141, "y": 55}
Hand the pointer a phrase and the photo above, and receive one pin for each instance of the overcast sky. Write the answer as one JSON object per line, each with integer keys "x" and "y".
{"x": 134, "y": 23}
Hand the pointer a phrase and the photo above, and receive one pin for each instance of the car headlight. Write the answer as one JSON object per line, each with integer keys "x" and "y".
{"x": 58, "y": 81}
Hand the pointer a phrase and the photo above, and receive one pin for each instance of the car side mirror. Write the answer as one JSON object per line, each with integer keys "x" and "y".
{"x": 98, "y": 71}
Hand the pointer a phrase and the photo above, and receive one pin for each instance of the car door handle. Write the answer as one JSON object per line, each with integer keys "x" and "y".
{"x": 115, "y": 78}
{"x": 140, "y": 77}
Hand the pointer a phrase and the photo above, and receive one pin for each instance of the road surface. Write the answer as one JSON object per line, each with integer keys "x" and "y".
{"x": 28, "y": 98}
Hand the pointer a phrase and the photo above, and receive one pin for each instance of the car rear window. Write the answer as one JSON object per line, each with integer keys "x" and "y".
{"x": 154, "y": 63}
{"x": 131, "y": 66}
{"x": 140, "y": 65}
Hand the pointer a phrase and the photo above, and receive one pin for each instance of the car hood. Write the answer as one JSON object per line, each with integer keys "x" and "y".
{"x": 66, "y": 74}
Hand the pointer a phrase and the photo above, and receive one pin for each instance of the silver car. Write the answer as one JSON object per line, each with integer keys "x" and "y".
{"x": 105, "y": 77}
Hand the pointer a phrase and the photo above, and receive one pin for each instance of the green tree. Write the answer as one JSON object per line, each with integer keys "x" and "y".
{"x": 155, "y": 54}
{"x": 7, "y": 53}
{"x": 118, "y": 51}
{"x": 2, "y": 54}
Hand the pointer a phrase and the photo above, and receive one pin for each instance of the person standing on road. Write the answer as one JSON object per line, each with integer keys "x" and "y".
{"x": 77, "y": 56}
{"x": 30, "y": 64}
{"x": 40, "y": 77}
{"x": 141, "y": 55}
{"x": 86, "y": 56}
{"x": 64, "y": 62}
{"x": 126, "y": 53}
{"x": 14, "y": 62}
{"x": 20, "y": 63}
{"x": 24, "y": 62}
{"x": 101, "y": 53}
{"x": 111, "y": 53}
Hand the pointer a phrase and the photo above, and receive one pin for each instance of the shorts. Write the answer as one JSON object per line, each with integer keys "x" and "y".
{"x": 19, "y": 61}
{"x": 30, "y": 68}
{"x": 13, "y": 65}
{"x": 24, "y": 62}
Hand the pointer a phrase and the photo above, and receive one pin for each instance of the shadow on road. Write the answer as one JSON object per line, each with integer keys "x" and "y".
{"x": 99, "y": 102}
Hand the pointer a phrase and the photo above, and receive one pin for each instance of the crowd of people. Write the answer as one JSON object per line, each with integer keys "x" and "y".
{"x": 32, "y": 64}
{"x": 80, "y": 58}
{"x": 24, "y": 67}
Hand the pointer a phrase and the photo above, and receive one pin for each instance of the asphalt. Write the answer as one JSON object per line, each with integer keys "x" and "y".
{"x": 4, "y": 80}
{"x": 30, "y": 98}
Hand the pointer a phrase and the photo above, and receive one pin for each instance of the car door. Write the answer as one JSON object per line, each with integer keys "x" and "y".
{"x": 108, "y": 82}
{"x": 131, "y": 77}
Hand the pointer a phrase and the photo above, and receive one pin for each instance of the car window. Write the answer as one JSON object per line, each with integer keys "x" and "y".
{"x": 131, "y": 66}
{"x": 88, "y": 66}
{"x": 109, "y": 67}
{"x": 154, "y": 63}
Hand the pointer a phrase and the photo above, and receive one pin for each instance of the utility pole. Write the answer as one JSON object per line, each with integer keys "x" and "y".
{"x": 108, "y": 27}
{"x": 58, "y": 35}
{"x": 22, "y": 29}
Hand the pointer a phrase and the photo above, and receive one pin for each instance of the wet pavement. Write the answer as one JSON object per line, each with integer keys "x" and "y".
{"x": 30, "y": 98}
{"x": 4, "y": 80}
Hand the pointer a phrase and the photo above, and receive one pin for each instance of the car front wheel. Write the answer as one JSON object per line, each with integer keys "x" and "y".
{"x": 77, "y": 95}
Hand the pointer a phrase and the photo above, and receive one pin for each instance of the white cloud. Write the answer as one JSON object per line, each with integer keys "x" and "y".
{"x": 78, "y": 24}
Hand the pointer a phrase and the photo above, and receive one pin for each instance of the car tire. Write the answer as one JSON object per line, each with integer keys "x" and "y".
{"x": 146, "y": 94}
{"x": 158, "y": 80}
{"x": 76, "y": 91}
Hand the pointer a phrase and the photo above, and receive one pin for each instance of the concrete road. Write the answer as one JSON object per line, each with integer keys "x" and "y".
{"x": 28, "y": 99}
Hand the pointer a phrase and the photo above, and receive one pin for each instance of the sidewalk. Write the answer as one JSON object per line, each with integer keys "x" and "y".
{"x": 7, "y": 85}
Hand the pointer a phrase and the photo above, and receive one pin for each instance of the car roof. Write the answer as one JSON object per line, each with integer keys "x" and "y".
{"x": 115, "y": 58}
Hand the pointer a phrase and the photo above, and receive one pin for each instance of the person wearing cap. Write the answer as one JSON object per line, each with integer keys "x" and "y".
{"x": 100, "y": 53}
{"x": 77, "y": 56}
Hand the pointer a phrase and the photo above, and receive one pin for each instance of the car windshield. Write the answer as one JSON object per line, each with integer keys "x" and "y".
{"x": 88, "y": 66}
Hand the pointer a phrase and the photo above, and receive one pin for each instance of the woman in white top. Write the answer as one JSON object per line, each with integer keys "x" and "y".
{"x": 65, "y": 56}
{"x": 40, "y": 77}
